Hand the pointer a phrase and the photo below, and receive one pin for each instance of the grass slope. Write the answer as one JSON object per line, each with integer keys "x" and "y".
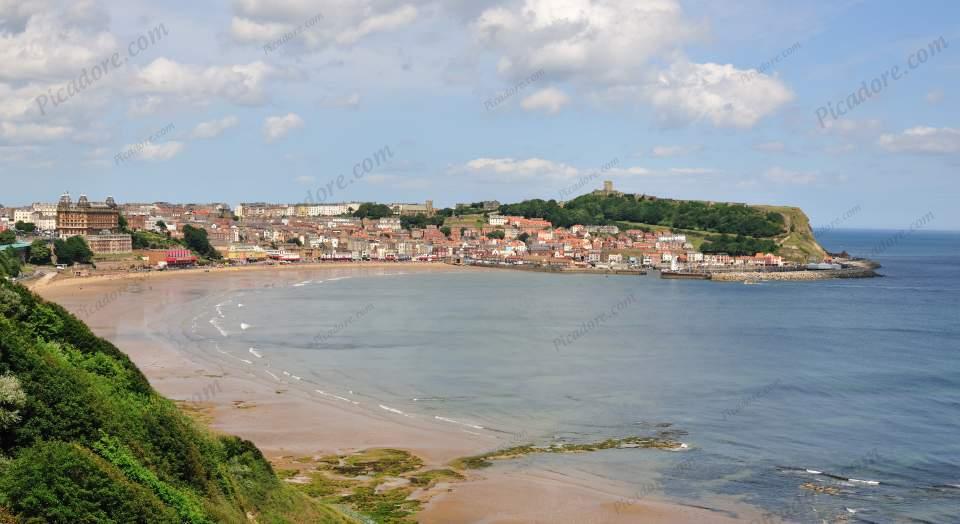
{"x": 84, "y": 438}
{"x": 798, "y": 243}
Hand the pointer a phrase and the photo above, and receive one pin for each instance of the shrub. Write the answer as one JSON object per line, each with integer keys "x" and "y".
{"x": 62, "y": 482}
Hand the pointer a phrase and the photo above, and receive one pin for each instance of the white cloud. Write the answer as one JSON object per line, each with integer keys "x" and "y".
{"x": 31, "y": 132}
{"x": 241, "y": 84}
{"x": 157, "y": 152}
{"x": 669, "y": 151}
{"x": 608, "y": 49}
{"x": 247, "y": 30}
{"x": 692, "y": 170}
{"x": 923, "y": 140}
{"x": 318, "y": 23}
{"x": 145, "y": 105}
{"x": 99, "y": 152}
{"x": 44, "y": 40}
{"x": 850, "y": 127}
{"x": 935, "y": 96}
{"x": 783, "y": 176}
{"x": 34, "y": 157}
{"x": 351, "y": 101}
{"x": 531, "y": 167}
{"x": 607, "y": 42}
{"x": 277, "y": 127}
{"x": 550, "y": 100}
{"x": 399, "y": 17}
{"x": 214, "y": 128}
{"x": 689, "y": 92}
{"x": 305, "y": 179}
{"x": 98, "y": 157}
{"x": 510, "y": 169}
{"x": 628, "y": 171}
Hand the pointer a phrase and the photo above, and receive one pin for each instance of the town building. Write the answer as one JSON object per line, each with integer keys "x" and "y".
{"x": 326, "y": 210}
{"x": 85, "y": 217}
{"x": 23, "y": 215}
{"x": 486, "y": 205}
{"x": 413, "y": 209}
{"x": 608, "y": 189}
{"x": 107, "y": 243}
{"x": 245, "y": 253}
{"x": 389, "y": 224}
{"x": 497, "y": 220}
{"x": 171, "y": 257}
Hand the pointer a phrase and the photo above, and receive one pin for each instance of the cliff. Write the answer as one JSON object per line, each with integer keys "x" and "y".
{"x": 797, "y": 243}
{"x": 85, "y": 438}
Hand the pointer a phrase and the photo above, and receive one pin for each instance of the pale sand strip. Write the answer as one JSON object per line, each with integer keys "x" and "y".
{"x": 296, "y": 423}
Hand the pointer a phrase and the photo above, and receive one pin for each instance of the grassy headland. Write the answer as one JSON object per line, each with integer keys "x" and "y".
{"x": 736, "y": 229}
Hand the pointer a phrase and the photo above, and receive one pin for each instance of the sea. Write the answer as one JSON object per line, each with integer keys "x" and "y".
{"x": 823, "y": 401}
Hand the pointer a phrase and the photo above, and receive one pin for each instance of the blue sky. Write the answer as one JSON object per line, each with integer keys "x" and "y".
{"x": 674, "y": 93}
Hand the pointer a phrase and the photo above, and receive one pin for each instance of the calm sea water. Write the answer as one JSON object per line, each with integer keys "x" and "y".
{"x": 855, "y": 378}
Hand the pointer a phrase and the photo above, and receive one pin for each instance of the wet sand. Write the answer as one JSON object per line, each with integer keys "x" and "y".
{"x": 285, "y": 421}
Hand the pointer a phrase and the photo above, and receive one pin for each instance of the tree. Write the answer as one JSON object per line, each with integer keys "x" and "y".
{"x": 82, "y": 252}
{"x": 446, "y": 231}
{"x": 73, "y": 250}
{"x": 196, "y": 239}
{"x": 523, "y": 236}
{"x": 295, "y": 241}
{"x": 739, "y": 245}
{"x": 122, "y": 223}
{"x": 7, "y": 237}
{"x": 25, "y": 227}
{"x": 9, "y": 263}
{"x": 496, "y": 234}
{"x": 40, "y": 252}
{"x": 373, "y": 210}
{"x": 162, "y": 226}
{"x": 420, "y": 221}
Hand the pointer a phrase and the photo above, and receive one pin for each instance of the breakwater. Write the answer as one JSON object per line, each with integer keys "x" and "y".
{"x": 803, "y": 275}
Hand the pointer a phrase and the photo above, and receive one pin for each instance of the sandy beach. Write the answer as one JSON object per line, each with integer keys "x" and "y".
{"x": 287, "y": 421}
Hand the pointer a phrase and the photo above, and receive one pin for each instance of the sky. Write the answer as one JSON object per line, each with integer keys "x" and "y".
{"x": 845, "y": 108}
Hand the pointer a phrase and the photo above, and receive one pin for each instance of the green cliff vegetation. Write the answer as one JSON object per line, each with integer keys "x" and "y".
{"x": 600, "y": 209}
{"x": 152, "y": 240}
{"x": 797, "y": 242}
{"x": 84, "y": 438}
